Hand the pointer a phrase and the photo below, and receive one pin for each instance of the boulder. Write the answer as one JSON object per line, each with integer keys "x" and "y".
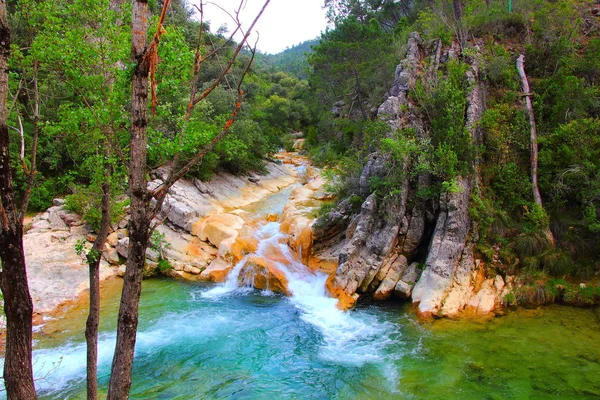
{"x": 403, "y": 289}
{"x": 263, "y": 274}
{"x": 217, "y": 271}
{"x": 58, "y": 202}
{"x": 179, "y": 213}
{"x": 112, "y": 239}
{"x": 218, "y": 227}
{"x": 72, "y": 219}
{"x": 192, "y": 270}
{"x": 56, "y": 222}
{"x": 299, "y": 144}
{"x": 41, "y": 225}
{"x": 123, "y": 247}
{"x": 111, "y": 255}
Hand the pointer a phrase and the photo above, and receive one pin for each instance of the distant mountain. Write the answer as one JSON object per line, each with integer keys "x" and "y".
{"x": 292, "y": 60}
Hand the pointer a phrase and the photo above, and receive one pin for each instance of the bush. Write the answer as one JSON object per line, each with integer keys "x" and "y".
{"x": 87, "y": 202}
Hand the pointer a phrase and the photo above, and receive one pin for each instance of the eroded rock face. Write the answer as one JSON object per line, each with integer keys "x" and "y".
{"x": 55, "y": 272}
{"x": 445, "y": 251}
{"x": 376, "y": 245}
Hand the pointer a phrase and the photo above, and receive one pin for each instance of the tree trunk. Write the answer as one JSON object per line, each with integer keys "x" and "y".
{"x": 533, "y": 143}
{"x": 93, "y": 320}
{"x": 120, "y": 378}
{"x": 458, "y": 9}
{"x": 18, "y": 307}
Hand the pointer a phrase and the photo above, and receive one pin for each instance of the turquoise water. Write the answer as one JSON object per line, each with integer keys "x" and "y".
{"x": 247, "y": 344}
{"x": 205, "y": 341}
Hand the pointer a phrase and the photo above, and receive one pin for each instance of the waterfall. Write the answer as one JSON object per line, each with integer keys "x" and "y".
{"x": 345, "y": 339}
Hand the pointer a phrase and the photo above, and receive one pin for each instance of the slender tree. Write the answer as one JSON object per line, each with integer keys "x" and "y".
{"x": 143, "y": 210}
{"x": 533, "y": 140}
{"x": 93, "y": 320}
{"x": 18, "y": 307}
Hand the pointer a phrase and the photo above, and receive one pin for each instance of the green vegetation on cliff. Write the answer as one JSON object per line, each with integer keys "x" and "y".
{"x": 353, "y": 70}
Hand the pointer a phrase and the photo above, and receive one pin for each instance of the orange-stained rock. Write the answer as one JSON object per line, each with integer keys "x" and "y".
{"x": 327, "y": 266}
{"x": 345, "y": 302}
{"x": 217, "y": 271}
{"x": 243, "y": 245}
{"x": 304, "y": 243}
{"x": 264, "y": 274}
{"x": 315, "y": 184}
{"x": 299, "y": 144}
{"x": 272, "y": 218}
{"x": 218, "y": 227}
{"x": 301, "y": 193}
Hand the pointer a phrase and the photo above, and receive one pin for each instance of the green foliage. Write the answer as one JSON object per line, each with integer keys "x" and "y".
{"x": 164, "y": 265}
{"x": 431, "y": 26}
{"x": 91, "y": 255}
{"x": 159, "y": 243}
{"x": 343, "y": 67}
{"x": 443, "y": 102}
{"x": 87, "y": 202}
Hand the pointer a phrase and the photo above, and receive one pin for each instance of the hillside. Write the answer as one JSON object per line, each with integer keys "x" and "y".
{"x": 291, "y": 61}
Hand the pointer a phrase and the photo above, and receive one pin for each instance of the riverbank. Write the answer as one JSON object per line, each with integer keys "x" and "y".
{"x": 58, "y": 277}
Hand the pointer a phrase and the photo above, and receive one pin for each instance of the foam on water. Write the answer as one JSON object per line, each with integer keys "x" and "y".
{"x": 349, "y": 338}
{"x": 58, "y": 368}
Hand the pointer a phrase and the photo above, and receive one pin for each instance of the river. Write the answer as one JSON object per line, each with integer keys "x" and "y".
{"x": 220, "y": 341}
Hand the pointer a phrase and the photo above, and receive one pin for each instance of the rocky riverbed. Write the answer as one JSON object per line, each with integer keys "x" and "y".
{"x": 202, "y": 222}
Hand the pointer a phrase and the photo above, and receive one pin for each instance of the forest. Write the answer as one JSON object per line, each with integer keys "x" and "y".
{"x": 459, "y": 137}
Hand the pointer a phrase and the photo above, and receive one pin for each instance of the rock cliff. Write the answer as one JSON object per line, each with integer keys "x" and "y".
{"x": 404, "y": 245}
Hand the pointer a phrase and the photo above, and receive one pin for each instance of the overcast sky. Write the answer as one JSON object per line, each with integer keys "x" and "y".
{"x": 284, "y": 23}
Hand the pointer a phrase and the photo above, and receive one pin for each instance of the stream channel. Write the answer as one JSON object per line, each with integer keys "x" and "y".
{"x": 201, "y": 340}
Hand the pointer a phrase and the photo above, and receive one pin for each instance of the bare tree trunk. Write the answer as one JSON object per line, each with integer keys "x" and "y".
{"x": 18, "y": 307}
{"x": 93, "y": 320}
{"x": 533, "y": 142}
{"x": 120, "y": 378}
{"x": 36, "y": 122}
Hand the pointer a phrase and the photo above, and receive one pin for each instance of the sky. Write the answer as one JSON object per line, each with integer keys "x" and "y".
{"x": 284, "y": 23}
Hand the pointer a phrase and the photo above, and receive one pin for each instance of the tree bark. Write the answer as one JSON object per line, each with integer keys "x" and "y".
{"x": 458, "y": 9}
{"x": 18, "y": 307}
{"x": 93, "y": 320}
{"x": 120, "y": 378}
{"x": 533, "y": 141}
{"x": 141, "y": 210}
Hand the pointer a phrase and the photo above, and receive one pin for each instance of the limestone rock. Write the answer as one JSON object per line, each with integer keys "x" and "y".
{"x": 485, "y": 300}
{"x": 202, "y": 187}
{"x": 179, "y": 213}
{"x": 72, "y": 219}
{"x": 41, "y": 225}
{"x": 218, "y": 228}
{"x": 299, "y": 144}
{"x": 217, "y": 271}
{"x": 403, "y": 289}
{"x": 58, "y": 202}
{"x": 412, "y": 273}
{"x": 445, "y": 251}
{"x": 192, "y": 270}
{"x": 56, "y": 222}
{"x": 388, "y": 284}
{"x": 112, "y": 239}
{"x": 123, "y": 247}
{"x": 111, "y": 255}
